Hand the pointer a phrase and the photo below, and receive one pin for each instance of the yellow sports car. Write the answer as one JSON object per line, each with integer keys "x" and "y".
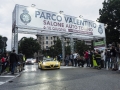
{"x": 49, "y": 63}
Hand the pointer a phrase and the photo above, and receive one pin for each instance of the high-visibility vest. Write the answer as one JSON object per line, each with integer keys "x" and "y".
{"x": 23, "y": 58}
{"x": 48, "y": 56}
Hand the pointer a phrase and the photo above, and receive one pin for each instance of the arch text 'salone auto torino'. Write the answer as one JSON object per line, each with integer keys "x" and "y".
{"x": 49, "y": 63}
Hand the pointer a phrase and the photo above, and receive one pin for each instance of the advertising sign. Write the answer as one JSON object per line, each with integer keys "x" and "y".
{"x": 51, "y": 21}
{"x": 99, "y": 45}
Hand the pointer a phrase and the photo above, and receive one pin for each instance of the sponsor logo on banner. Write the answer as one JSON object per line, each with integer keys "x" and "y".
{"x": 100, "y": 30}
{"x": 25, "y": 17}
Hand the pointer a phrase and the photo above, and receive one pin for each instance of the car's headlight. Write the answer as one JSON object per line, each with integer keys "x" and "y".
{"x": 57, "y": 63}
{"x": 32, "y": 61}
{"x": 43, "y": 63}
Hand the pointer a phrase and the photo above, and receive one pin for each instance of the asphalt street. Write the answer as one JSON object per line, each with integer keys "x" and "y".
{"x": 66, "y": 78}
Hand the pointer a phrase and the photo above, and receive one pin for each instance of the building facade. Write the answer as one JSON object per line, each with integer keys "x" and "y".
{"x": 48, "y": 41}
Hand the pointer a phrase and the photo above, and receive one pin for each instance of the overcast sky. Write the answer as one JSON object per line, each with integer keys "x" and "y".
{"x": 89, "y": 9}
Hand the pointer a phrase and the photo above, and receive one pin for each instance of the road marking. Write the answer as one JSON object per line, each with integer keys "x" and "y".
{"x": 65, "y": 67}
{"x": 2, "y": 83}
{"x": 7, "y": 76}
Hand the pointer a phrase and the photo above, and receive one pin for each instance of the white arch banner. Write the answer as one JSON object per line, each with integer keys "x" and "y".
{"x": 51, "y": 21}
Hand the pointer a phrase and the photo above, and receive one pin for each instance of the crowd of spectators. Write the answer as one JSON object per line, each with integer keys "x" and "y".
{"x": 108, "y": 58}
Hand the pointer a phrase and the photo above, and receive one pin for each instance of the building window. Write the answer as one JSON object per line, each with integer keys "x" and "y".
{"x": 46, "y": 47}
{"x": 51, "y": 38}
{"x": 46, "y": 42}
{"x": 51, "y": 42}
{"x": 46, "y": 37}
{"x": 43, "y": 42}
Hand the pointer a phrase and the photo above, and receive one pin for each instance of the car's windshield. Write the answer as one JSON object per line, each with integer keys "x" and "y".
{"x": 48, "y": 59}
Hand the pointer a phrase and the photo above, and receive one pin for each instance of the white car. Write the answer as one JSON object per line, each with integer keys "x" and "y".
{"x": 30, "y": 61}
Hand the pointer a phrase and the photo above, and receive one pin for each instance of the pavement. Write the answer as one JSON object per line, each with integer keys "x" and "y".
{"x": 7, "y": 77}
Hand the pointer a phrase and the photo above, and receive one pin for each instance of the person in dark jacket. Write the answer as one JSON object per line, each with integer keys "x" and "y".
{"x": 13, "y": 61}
{"x": 71, "y": 59}
{"x": 107, "y": 58}
{"x": 20, "y": 60}
{"x": 113, "y": 58}
{"x": 67, "y": 60}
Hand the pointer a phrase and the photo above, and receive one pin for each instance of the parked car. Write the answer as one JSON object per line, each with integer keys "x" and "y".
{"x": 30, "y": 61}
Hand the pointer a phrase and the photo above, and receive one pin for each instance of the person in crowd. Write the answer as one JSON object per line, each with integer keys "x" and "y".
{"x": 75, "y": 58}
{"x": 86, "y": 55}
{"x": 3, "y": 61}
{"x": 119, "y": 54}
{"x": 24, "y": 59}
{"x": 13, "y": 61}
{"x": 80, "y": 61}
{"x": 98, "y": 58}
{"x": 102, "y": 59}
{"x": 91, "y": 59}
{"x": 113, "y": 58}
{"x": 67, "y": 60}
{"x": 107, "y": 58}
{"x": 6, "y": 61}
{"x": 20, "y": 60}
{"x": 71, "y": 59}
{"x": 58, "y": 58}
{"x": 0, "y": 64}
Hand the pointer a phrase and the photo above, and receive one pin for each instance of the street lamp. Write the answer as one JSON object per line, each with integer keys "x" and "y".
{"x": 33, "y": 5}
{"x": 61, "y": 12}
{"x": 80, "y": 16}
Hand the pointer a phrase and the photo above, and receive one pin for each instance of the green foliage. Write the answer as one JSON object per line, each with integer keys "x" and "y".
{"x": 57, "y": 45}
{"x": 56, "y": 49}
{"x": 80, "y": 47}
{"x": 28, "y": 46}
{"x": 67, "y": 50}
{"x": 110, "y": 15}
{"x": 2, "y": 45}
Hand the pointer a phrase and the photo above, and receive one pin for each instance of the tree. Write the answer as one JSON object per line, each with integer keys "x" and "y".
{"x": 110, "y": 15}
{"x": 3, "y": 44}
{"x": 56, "y": 49}
{"x": 67, "y": 50}
{"x": 28, "y": 46}
{"x": 80, "y": 47}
